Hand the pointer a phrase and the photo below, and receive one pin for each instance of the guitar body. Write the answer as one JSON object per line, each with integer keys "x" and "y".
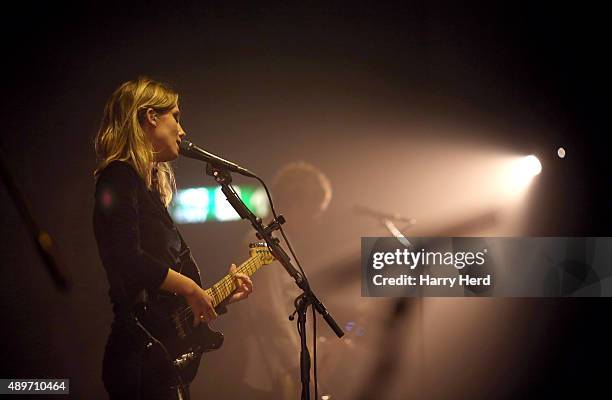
{"x": 169, "y": 320}
{"x": 174, "y": 346}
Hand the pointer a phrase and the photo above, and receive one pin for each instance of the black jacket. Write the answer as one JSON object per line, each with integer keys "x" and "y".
{"x": 137, "y": 240}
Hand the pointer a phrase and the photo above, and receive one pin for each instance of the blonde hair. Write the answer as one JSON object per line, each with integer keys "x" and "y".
{"x": 121, "y": 136}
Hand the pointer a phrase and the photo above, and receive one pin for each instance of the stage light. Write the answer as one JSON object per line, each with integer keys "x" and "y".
{"x": 561, "y": 152}
{"x": 191, "y": 205}
{"x": 531, "y": 166}
{"x": 223, "y": 209}
{"x": 524, "y": 169}
{"x": 517, "y": 175}
{"x": 201, "y": 204}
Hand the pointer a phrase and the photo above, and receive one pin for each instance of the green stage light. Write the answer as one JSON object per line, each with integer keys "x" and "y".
{"x": 201, "y": 204}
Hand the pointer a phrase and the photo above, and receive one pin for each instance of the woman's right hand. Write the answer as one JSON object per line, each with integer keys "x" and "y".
{"x": 201, "y": 305}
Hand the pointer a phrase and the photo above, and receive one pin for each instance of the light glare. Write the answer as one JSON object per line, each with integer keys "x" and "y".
{"x": 521, "y": 172}
{"x": 561, "y": 152}
{"x": 532, "y": 166}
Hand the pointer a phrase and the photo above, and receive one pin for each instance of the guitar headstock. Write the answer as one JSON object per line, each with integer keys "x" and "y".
{"x": 261, "y": 251}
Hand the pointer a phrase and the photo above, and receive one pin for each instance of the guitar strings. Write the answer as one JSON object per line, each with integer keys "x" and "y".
{"x": 223, "y": 284}
{"x": 226, "y": 284}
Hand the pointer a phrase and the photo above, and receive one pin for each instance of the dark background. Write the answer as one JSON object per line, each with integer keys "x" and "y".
{"x": 269, "y": 84}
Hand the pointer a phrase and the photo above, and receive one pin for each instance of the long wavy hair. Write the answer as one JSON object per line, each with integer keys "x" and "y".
{"x": 121, "y": 136}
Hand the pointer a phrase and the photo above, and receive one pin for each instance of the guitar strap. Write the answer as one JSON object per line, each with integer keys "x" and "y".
{"x": 185, "y": 257}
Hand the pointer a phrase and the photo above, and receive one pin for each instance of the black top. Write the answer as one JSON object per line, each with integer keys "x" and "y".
{"x": 137, "y": 239}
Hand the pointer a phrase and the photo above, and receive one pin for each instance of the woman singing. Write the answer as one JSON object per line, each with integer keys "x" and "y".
{"x": 140, "y": 247}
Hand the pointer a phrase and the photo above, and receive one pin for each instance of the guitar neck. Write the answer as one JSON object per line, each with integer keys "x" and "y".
{"x": 226, "y": 286}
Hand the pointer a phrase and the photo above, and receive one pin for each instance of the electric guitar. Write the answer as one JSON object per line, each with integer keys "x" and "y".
{"x": 168, "y": 323}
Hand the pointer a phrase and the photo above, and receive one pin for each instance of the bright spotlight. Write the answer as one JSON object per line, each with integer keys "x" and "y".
{"x": 531, "y": 166}
{"x": 522, "y": 172}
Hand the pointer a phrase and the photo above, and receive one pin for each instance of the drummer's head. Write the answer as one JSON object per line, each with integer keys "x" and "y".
{"x": 302, "y": 191}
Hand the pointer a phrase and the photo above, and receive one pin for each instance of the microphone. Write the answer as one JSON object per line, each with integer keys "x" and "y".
{"x": 188, "y": 149}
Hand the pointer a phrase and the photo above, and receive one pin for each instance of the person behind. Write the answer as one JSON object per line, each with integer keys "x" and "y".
{"x": 140, "y": 247}
{"x": 302, "y": 193}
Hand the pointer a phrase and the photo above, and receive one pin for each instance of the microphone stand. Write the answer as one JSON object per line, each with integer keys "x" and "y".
{"x": 307, "y": 298}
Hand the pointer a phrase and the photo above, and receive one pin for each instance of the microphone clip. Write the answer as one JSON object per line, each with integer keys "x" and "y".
{"x": 220, "y": 174}
{"x": 273, "y": 226}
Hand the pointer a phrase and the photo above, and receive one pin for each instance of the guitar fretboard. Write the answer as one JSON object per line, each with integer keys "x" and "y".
{"x": 224, "y": 288}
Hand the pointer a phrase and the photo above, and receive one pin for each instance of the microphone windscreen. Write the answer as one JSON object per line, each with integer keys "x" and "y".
{"x": 185, "y": 147}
